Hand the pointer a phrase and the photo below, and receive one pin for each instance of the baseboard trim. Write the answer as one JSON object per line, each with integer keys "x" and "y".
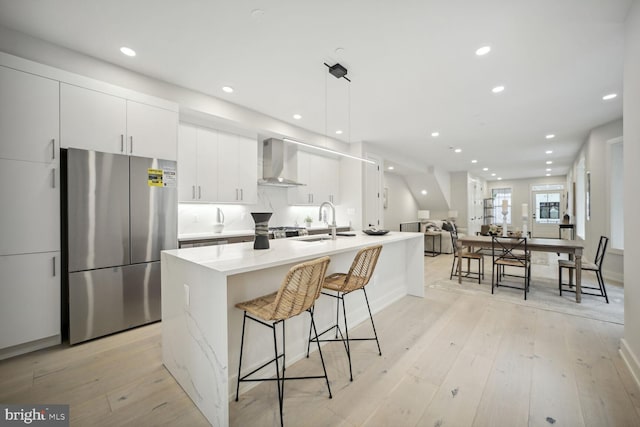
{"x": 28, "y": 347}
{"x": 630, "y": 360}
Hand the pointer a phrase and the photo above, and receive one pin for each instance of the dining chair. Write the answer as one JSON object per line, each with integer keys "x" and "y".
{"x": 298, "y": 293}
{"x": 595, "y": 266}
{"x": 342, "y": 284}
{"x": 460, "y": 254}
{"x": 510, "y": 252}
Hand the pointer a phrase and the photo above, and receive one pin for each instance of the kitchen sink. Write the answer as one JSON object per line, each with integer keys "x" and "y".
{"x": 315, "y": 239}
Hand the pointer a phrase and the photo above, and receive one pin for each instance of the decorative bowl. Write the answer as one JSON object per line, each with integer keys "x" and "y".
{"x": 375, "y": 232}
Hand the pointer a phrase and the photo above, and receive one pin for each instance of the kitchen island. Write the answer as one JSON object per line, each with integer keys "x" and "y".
{"x": 200, "y": 287}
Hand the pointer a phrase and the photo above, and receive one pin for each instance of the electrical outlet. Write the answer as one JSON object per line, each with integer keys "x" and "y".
{"x": 186, "y": 294}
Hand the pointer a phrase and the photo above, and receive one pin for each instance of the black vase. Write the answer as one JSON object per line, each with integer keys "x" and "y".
{"x": 262, "y": 229}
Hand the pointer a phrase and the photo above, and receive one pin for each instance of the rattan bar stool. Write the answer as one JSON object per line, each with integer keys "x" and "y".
{"x": 342, "y": 284}
{"x": 298, "y": 292}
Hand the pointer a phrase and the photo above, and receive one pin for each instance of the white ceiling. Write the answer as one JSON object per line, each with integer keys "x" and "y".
{"x": 412, "y": 64}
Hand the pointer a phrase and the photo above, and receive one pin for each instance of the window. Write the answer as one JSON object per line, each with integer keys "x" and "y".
{"x": 616, "y": 194}
{"x": 580, "y": 199}
{"x": 498, "y": 195}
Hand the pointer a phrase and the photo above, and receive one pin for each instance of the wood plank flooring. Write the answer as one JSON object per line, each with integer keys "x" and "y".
{"x": 447, "y": 360}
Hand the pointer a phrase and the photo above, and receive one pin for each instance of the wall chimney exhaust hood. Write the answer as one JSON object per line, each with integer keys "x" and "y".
{"x": 273, "y": 165}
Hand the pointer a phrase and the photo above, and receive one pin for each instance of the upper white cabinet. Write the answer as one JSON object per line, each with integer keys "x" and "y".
{"x": 29, "y": 120}
{"x": 152, "y": 131}
{"x": 92, "y": 120}
{"x": 197, "y": 164}
{"x": 99, "y": 121}
{"x": 322, "y": 178}
{"x": 237, "y": 169}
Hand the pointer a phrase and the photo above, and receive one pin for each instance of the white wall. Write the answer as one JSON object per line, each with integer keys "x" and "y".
{"x": 594, "y": 151}
{"x": 630, "y": 344}
{"x": 401, "y": 205}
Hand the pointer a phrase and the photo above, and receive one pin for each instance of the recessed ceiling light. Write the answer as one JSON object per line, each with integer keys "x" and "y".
{"x": 609, "y": 96}
{"x": 493, "y": 174}
{"x": 128, "y": 51}
{"x": 483, "y": 50}
{"x": 458, "y": 150}
{"x": 435, "y": 134}
{"x": 338, "y": 132}
{"x": 550, "y": 136}
{"x": 499, "y": 178}
{"x": 548, "y": 174}
{"x": 497, "y": 89}
{"x": 548, "y": 152}
{"x": 549, "y": 162}
{"x": 297, "y": 116}
{"x": 227, "y": 89}
{"x": 474, "y": 161}
{"x": 391, "y": 168}
{"x": 424, "y": 192}
{"x": 485, "y": 169}
{"x": 548, "y": 169}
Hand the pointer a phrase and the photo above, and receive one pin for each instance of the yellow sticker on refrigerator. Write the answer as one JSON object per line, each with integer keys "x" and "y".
{"x": 155, "y": 177}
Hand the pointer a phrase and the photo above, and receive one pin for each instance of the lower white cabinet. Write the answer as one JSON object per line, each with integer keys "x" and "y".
{"x": 30, "y": 217}
{"x": 30, "y": 303}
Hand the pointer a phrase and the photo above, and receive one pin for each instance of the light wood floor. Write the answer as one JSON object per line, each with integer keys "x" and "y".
{"x": 448, "y": 360}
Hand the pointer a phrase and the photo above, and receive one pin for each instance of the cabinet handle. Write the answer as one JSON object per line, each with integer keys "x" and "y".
{"x": 199, "y": 192}
{"x": 121, "y": 143}
{"x": 193, "y": 192}
{"x": 130, "y": 144}
{"x": 53, "y": 178}
{"x": 241, "y": 194}
{"x": 53, "y": 149}
{"x": 54, "y": 266}
{"x": 236, "y": 194}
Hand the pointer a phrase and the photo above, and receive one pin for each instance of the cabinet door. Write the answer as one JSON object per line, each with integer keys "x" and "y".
{"x": 29, "y": 117}
{"x": 151, "y": 131}
{"x": 30, "y": 219}
{"x": 330, "y": 181}
{"x": 30, "y": 303}
{"x": 207, "y": 166}
{"x": 92, "y": 120}
{"x": 187, "y": 156}
{"x": 228, "y": 165}
{"x": 304, "y": 194}
{"x": 248, "y": 170}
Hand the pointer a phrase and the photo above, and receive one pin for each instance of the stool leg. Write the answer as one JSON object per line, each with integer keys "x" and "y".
{"x": 346, "y": 341}
{"x": 309, "y": 340}
{"x": 280, "y": 389}
{"x": 372, "y": 324}
{"x": 244, "y": 321}
{"x": 313, "y": 325}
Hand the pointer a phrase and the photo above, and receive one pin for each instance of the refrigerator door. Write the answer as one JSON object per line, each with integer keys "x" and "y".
{"x": 154, "y": 208}
{"x": 98, "y": 209}
{"x": 110, "y": 300}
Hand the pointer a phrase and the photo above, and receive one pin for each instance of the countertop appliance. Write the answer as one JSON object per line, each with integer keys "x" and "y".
{"x": 119, "y": 212}
{"x": 283, "y": 232}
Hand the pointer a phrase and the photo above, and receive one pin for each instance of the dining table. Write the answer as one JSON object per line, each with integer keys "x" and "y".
{"x": 572, "y": 247}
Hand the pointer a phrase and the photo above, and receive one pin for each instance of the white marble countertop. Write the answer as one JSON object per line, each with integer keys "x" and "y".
{"x": 186, "y": 237}
{"x": 241, "y": 257}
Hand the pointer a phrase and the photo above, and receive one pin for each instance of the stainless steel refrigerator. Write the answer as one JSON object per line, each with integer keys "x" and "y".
{"x": 121, "y": 211}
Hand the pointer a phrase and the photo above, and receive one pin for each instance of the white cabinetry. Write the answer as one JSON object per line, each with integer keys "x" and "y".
{"x": 30, "y": 214}
{"x": 237, "y": 169}
{"x": 322, "y": 178}
{"x": 93, "y": 120}
{"x": 152, "y": 131}
{"x": 197, "y": 164}
{"x": 30, "y": 303}
{"x": 30, "y": 219}
{"x": 29, "y": 121}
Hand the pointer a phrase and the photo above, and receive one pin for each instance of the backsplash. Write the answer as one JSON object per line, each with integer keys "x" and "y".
{"x": 200, "y": 217}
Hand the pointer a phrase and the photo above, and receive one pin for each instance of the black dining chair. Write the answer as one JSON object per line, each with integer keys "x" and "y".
{"x": 595, "y": 266}
{"x": 510, "y": 252}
